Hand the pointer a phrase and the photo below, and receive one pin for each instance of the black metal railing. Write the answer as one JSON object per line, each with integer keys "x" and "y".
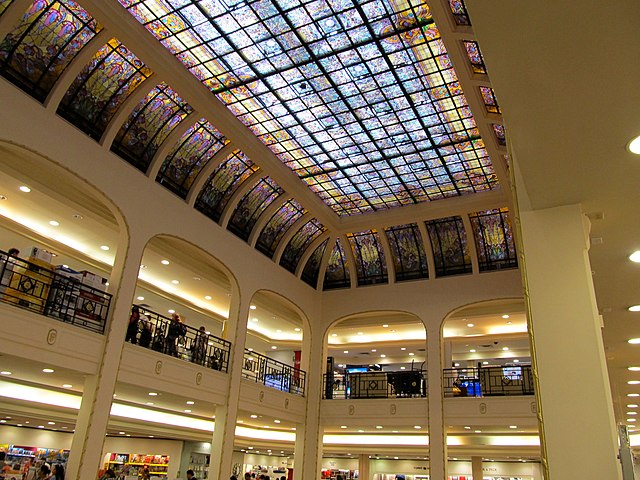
{"x": 272, "y": 373}
{"x": 488, "y": 381}
{"x": 399, "y": 384}
{"x": 194, "y": 346}
{"x": 58, "y": 294}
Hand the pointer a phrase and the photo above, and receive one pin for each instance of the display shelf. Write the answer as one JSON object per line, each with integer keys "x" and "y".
{"x": 130, "y": 464}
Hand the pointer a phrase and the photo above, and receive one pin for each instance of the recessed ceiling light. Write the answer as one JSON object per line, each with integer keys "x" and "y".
{"x": 345, "y": 351}
{"x": 470, "y": 325}
{"x": 633, "y": 394}
{"x": 273, "y": 347}
{"x": 385, "y": 326}
{"x": 411, "y": 354}
{"x": 53, "y": 223}
{"x": 473, "y": 350}
{"x": 632, "y": 405}
{"x": 190, "y": 402}
{"x": 403, "y": 368}
{"x": 456, "y": 364}
{"x": 276, "y": 421}
{"x": 634, "y": 341}
{"x": 175, "y": 282}
{"x": 485, "y": 363}
{"x": 632, "y": 413}
{"x": 634, "y": 382}
{"x": 631, "y": 420}
{"x": 360, "y": 431}
{"x": 149, "y": 403}
{"x": 48, "y": 370}
{"x": 140, "y": 298}
{"x": 252, "y": 307}
{"x": 3, "y": 421}
{"x": 153, "y": 394}
{"x": 171, "y": 310}
{"x": 5, "y": 372}
{"x": 634, "y": 308}
{"x": 403, "y": 348}
{"x": 477, "y": 431}
{"x": 343, "y": 426}
{"x": 165, "y": 262}
{"x": 255, "y": 320}
{"x": 417, "y": 427}
{"x": 360, "y": 333}
{"x": 104, "y": 247}
{"x": 634, "y": 145}
{"x": 40, "y": 426}
{"x": 25, "y": 189}
{"x": 513, "y": 426}
{"x": 187, "y": 411}
{"x": 122, "y": 433}
{"x": 207, "y": 297}
{"x": 634, "y": 369}
{"x": 67, "y": 385}
{"x": 505, "y": 348}
{"x": 254, "y": 416}
{"x": 334, "y": 334}
{"x": 383, "y": 355}
{"x": 505, "y": 316}
{"x": 297, "y": 329}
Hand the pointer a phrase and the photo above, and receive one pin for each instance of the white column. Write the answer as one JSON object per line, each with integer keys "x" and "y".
{"x": 572, "y": 384}
{"x": 363, "y": 467}
{"x": 235, "y": 331}
{"x": 476, "y": 468}
{"x": 437, "y": 432}
{"x": 448, "y": 355}
{"x": 85, "y": 458}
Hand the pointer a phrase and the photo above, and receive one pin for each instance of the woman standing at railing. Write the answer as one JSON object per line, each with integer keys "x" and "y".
{"x": 132, "y": 328}
{"x": 199, "y": 346}
{"x": 177, "y": 329}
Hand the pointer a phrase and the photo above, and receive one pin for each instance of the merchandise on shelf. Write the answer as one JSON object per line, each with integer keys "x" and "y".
{"x": 131, "y": 464}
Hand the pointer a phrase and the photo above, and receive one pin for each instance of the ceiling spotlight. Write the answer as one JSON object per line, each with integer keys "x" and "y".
{"x": 207, "y": 297}
{"x": 634, "y": 308}
{"x": 104, "y": 247}
{"x": 153, "y": 394}
{"x": 633, "y": 382}
{"x": 48, "y": 370}
{"x": 383, "y": 355}
{"x": 140, "y": 298}
{"x": 67, "y": 385}
{"x": 513, "y": 426}
{"x": 187, "y": 411}
{"x": 634, "y": 341}
{"x": 273, "y": 347}
{"x": 5, "y": 372}
{"x": 473, "y": 350}
{"x": 190, "y": 402}
{"x": 411, "y": 354}
{"x": 171, "y": 311}
{"x": 634, "y": 145}
{"x": 505, "y": 348}
{"x": 417, "y": 427}
{"x": 276, "y": 421}
{"x": 632, "y": 405}
{"x": 334, "y": 334}
{"x": 505, "y": 316}
{"x": 53, "y": 223}
{"x": 634, "y": 369}
{"x": 175, "y": 282}
{"x": 470, "y": 325}
{"x": 165, "y": 262}
{"x": 633, "y": 394}
{"x": 385, "y": 326}
{"x": 345, "y": 351}
{"x": 254, "y": 416}
{"x": 252, "y": 307}
{"x": 297, "y": 329}
{"x": 25, "y": 189}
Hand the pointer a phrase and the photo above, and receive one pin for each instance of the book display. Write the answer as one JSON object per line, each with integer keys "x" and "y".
{"x": 199, "y": 462}
{"x": 130, "y": 465}
{"x": 19, "y": 460}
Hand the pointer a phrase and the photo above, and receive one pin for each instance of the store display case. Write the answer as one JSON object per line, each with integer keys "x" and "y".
{"x": 199, "y": 463}
{"x": 130, "y": 465}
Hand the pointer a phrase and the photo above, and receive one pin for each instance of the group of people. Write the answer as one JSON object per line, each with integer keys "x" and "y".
{"x": 48, "y": 472}
{"x": 260, "y": 476}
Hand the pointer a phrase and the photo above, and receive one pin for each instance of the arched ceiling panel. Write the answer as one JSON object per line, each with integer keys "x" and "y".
{"x": 222, "y": 183}
{"x": 190, "y": 155}
{"x": 149, "y": 124}
{"x": 459, "y": 11}
{"x": 359, "y": 99}
{"x": 311, "y": 269}
{"x": 277, "y": 226}
{"x": 337, "y": 273}
{"x": 407, "y": 252}
{"x": 475, "y": 57}
{"x": 371, "y": 266}
{"x": 299, "y": 243}
{"x": 449, "y": 244}
{"x": 36, "y": 52}
{"x": 494, "y": 239}
{"x": 102, "y": 87}
{"x": 252, "y": 205}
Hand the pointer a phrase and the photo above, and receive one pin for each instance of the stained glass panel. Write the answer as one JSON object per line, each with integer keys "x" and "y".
{"x": 311, "y": 270}
{"x": 278, "y": 225}
{"x": 475, "y": 57}
{"x": 337, "y": 273}
{"x": 489, "y": 99}
{"x": 359, "y": 99}
{"x": 222, "y": 183}
{"x": 190, "y": 155}
{"x": 407, "y": 252}
{"x": 494, "y": 239}
{"x": 299, "y": 243}
{"x": 449, "y": 245}
{"x": 500, "y": 133}
{"x": 459, "y": 11}
{"x": 101, "y": 88}
{"x": 51, "y": 33}
{"x": 252, "y": 205}
{"x": 371, "y": 266}
{"x": 149, "y": 124}
{"x": 3, "y": 5}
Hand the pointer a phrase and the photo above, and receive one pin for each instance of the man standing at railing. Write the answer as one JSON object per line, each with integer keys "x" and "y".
{"x": 177, "y": 329}
{"x": 132, "y": 328}
{"x": 199, "y": 347}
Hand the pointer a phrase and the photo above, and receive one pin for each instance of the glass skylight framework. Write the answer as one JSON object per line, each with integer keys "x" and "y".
{"x": 371, "y": 266}
{"x": 311, "y": 270}
{"x": 278, "y": 225}
{"x": 49, "y": 36}
{"x": 475, "y": 57}
{"x": 194, "y": 150}
{"x": 501, "y": 136}
{"x": 494, "y": 239}
{"x": 252, "y": 205}
{"x": 149, "y": 124}
{"x": 3, "y": 5}
{"x": 337, "y": 272}
{"x": 459, "y": 11}
{"x": 358, "y": 98}
{"x": 489, "y": 99}
{"x": 299, "y": 244}
{"x": 222, "y": 183}
{"x": 449, "y": 245}
{"x": 407, "y": 252}
{"x": 102, "y": 87}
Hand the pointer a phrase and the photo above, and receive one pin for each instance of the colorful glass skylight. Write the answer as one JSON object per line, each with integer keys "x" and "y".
{"x": 3, "y": 5}
{"x": 190, "y": 155}
{"x": 371, "y": 265}
{"x": 149, "y": 124}
{"x": 311, "y": 270}
{"x": 299, "y": 243}
{"x": 501, "y": 136}
{"x": 489, "y": 99}
{"x": 102, "y": 87}
{"x": 459, "y": 11}
{"x": 252, "y": 205}
{"x": 278, "y": 225}
{"x": 49, "y": 36}
{"x": 358, "y": 98}
{"x": 475, "y": 57}
{"x": 407, "y": 252}
{"x": 222, "y": 183}
{"x": 449, "y": 245}
{"x": 337, "y": 272}
{"x": 494, "y": 239}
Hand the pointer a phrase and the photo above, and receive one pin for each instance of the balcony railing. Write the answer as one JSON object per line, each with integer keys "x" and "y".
{"x": 194, "y": 346}
{"x": 272, "y": 373}
{"x": 488, "y": 381}
{"x": 400, "y": 384}
{"x": 58, "y": 294}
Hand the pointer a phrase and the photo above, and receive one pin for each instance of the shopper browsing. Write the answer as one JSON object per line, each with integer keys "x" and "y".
{"x": 191, "y": 475}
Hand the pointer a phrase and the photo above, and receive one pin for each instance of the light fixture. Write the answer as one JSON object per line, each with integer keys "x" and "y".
{"x": 634, "y": 369}
{"x": 334, "y": 334}
{"x": 149, "y": 403}
{"x": 190, "y": 402}
{"x": 48, "y": 370}
{"x": 67, "y": 385}
{"x": 255, "y": 320}
{"x": 25, "y": 189}
{"x": 456, "y": 364}
{"x": 187, "y": 411}
{"x": 140, "y": 298}
{"x": 634, "y": 145}
{"x": 633, "y": 394}
{"x": 297, "y": 329}
{"x": 505, "y": 316}
{"x": 383, "y": 355}
{"x": 165, "y": 262}
{"x": 360, "y": 333}
{"x": 171, "y": 310}
{"x": 634, "y": 308}
{"x": 385, "y": 326}
{"x": 631, "y": 420}
{"x": 53, "y": 223}
{"x": 417, "y": 427}
{"x": 153, "y": 394}
{"x": 513, "y": 426}
{"x": 345, "y": 351}
{"x": 633, "y": 382}
{"x": 378, "y": 427}
{"x": 505, "y": 348}
{"x": 485, "y": 363}
{"x": 40, "y": 426}
{"x": 477, "y": 431}
{"x": 276, "y": 421}
{"x": 515, "y": 360}
{"x": 273, "y": 347}
{"x": 473, "y": 350}
{"x": 632, "y": 405}
{"x": 470, "y": 325}
{"x": 252, "y": 307}
{"x": 634, "y": 341}
{"x": 6, "y": 372}
{"x": 411, "y": 354}
{"x": 122, "y": 433}
{"x": 467, "y": 428}
{"x": 632, "y": 413}
{"x": 360, "y": 431}
{"x": 254, "y": 416}
{"x": 104, "y": 247}
{"x": 175, "y": 282}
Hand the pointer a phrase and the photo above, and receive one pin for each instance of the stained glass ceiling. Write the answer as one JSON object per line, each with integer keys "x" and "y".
{"x": 357, "y": 97}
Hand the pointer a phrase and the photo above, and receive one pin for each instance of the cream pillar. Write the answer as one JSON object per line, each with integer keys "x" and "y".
{"x": 572, "y": 384}
{"x": 308, "y": 454}
{"x": 437, "y": 432}
{"x": 235, "y": 330}
{"x": 476, "y": 468}
{"x": 86, "y": 448}
{"x": 363, "y": 467}
{"x": 448, "y": 354}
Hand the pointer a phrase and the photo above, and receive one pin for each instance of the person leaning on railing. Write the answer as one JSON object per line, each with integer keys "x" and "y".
{"x": 177, "y": 330}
